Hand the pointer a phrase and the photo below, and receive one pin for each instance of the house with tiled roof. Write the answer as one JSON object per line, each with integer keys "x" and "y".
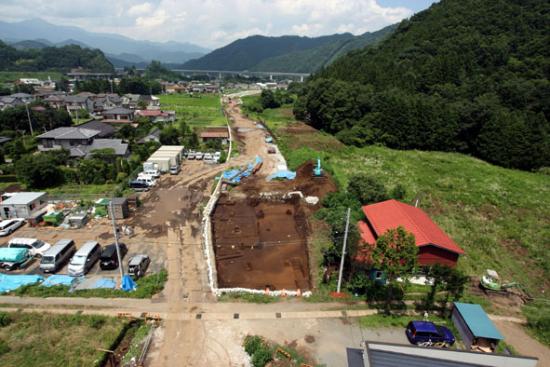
{"x": 434, "y": 245}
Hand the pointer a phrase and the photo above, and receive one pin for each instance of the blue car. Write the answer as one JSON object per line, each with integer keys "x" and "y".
{"x": 425, "y": 333}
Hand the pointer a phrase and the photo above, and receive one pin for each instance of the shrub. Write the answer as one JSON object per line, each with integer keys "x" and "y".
{"x": 367, "y": 189}
{"x": 252, "y": 343}
{"x": 5, "y": 319}
{"x": 4, "y": 347}
{"x": 261, "y": 357}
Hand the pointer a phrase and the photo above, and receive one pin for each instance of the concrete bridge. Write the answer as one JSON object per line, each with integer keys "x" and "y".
{"x": 221, "y": 73}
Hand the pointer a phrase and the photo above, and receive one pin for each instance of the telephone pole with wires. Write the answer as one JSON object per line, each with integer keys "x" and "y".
{"x": 340, "y": 273}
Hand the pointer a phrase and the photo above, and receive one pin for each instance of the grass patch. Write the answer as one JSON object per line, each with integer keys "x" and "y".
{"x": 398, "y": 321}
{"x": 198, "y": 111}
{"x": 247, "y": 298}
{"x": 41, "y": 339}
{"x": 538, "y": 321}
{"x": 136, "y": 345}
{"x": 83, "y": 191}
{"x": 146, "y": 288}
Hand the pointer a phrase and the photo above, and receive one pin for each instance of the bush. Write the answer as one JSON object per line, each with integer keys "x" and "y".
{"x": 262, "y": 357}
{"x": 5, "y": 319}
{"x": 367, "y": 189}
{"x": 4, "y": 347}
{"x": 252, "y": 343}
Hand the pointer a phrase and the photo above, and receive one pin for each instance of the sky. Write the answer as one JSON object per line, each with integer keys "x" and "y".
{"x": 213, "y": 23}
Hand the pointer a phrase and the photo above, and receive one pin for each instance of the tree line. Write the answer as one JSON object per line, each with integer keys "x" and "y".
{"x": 467, "y": 76}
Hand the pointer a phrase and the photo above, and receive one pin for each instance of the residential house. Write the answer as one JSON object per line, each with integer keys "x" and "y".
{"x": 434, "y": 245}
{"x": 118, "y": 115}
{"x": 204, "y": 88}
{"x": 82, "y": 75}
{"x": 157, "y": 115}
{"x": 130, "y": 101}
{"x": 378, "y": 354}
{"x": 75, "y": 103}
{"x": 55, "y": 101}
{"x": 14, "y": 100}
{"x": 22, "y": 204}
{"x": 103, "y": 102}
{"x": 105, "y": 130}
{"x": 80, "y": 142}
{"x": 151, "y": 102}
{"x": 154, "y": 135}
{"x": 215, "y": 133}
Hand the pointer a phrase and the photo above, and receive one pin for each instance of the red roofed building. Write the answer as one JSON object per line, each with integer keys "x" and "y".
{"x": 434, "y": 245}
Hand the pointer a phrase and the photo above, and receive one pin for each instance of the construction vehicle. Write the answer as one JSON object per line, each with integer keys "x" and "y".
{"x": 318, "y": 171}
{"x": 491, "y": 282}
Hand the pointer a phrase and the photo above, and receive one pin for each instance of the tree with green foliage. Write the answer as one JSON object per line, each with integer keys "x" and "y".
{"x": 38, "y": 171}
{"x": 268, "y": 100}
{"x": 445, "y": 278}
{"x": 169, "y": 136}
{"x": 395, "y": 254}
{"x": 367, "y": 189}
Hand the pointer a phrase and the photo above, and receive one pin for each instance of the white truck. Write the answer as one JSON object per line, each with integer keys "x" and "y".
{"x": 151, "y": 169}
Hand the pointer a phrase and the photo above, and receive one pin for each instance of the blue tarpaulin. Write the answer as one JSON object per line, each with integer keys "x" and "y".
{"x": 235, "y": 176}
{"x": 59, "y": 280}
{"x": 287, "y": 175}
{"x": 105, "y": 283}
{"x": 128, "y": 283}
{"x": 11, "y": 282}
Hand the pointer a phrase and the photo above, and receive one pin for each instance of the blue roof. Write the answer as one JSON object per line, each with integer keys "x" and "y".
{"x": 477, "y": 321}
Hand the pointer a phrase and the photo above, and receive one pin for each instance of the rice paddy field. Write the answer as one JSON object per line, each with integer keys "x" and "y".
{"x": 199, "y": 110}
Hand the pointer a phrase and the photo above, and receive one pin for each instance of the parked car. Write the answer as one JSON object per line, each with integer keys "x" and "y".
{"x": 14, "y": 258}
{"x": 217, "y": 156}
{"x": 149, "y": 180}
{"x": 85, "y": 258}
{"x": 9, "y": 226}
{"x": 152, "y": 172}
{"x": 138, "y": 185}
{"x": 426, "y": 333}
{"x": 174, "y": 170}
{"x": 57, "y": 256}
{"x": 35, "y": 246}
{"x": 137, "y": 265}
{"x": 208, "y": 156}
{"x": 109, "y": 259}
{"x": 199, "y": 155}
{"x": 191, "y": 155}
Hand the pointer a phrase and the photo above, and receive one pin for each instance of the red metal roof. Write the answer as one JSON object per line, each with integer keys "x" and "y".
{"x": 392, "y": 214}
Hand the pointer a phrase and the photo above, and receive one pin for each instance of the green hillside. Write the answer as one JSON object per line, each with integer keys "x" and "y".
{"x": 310, "y": 60}
{"x": 501, "y": 217}
{"x": 468, "y": 76}
{"x": 285, "y": 53}
{"x": 52, "y": 58}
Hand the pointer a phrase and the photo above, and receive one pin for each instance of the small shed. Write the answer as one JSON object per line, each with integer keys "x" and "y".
{"x": 23, "y": 205}
{"x": 120, "y": 208}
{"x": 474, "y": 326}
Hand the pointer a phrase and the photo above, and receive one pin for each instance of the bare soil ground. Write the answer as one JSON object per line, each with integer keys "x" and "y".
{"x": 516, "y": 336}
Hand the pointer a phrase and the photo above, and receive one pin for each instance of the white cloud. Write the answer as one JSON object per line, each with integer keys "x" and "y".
{"x": 140, "y": 9}
{"x": 210, "y": 23}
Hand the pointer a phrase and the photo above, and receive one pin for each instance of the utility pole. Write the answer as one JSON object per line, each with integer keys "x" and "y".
{"x": 120, "y": 267}
{"x": 29, "y": 117}
{"x": 343, "y": 253}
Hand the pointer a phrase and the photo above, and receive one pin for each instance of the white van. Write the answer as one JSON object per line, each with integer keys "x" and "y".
{"x": 152, "y": 172}
{"x": 85, "y": 258}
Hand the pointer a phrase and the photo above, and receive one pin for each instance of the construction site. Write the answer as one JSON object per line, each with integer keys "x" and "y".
{"x": 260, "y": 231}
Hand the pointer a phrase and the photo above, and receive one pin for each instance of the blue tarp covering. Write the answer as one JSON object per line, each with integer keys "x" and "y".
{"x": 11, "y": 282}
{"x": 104, "y": 283}
{"x": 235, "y": 176}
{"x": 287, "y": 175}
{"x": 128, "y": 283}
{"x": 59, "y": 280}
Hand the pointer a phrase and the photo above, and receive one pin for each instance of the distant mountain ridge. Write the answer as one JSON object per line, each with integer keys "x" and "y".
{"x": 120, "y": 47}
{"x": 284, "y": 53}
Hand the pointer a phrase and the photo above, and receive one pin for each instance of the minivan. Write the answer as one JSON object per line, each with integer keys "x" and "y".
{"x": 152, "y": 172}
{"x": 35, "y": 246}
{"x": 85, "y": 258}
{"x": 9, "y": 225}
{"x": 149, "y": 180}
{"x": 57, "y": 256}
{"x": 109, "y": 257}
{"x": 174, "y": 170}
{"x": 138, "y": 185}
{"x": 426, "y": 333}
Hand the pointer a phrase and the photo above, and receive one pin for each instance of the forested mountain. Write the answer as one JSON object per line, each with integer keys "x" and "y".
{"x": 465, "y": 75}
{"x": 52, "y": 58}
{"x": 285, "y": 53}
{"x": 310, "y": 60}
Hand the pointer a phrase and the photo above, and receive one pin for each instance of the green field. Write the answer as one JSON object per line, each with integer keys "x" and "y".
{"x": 41, "y": 339}
{"x": 501, "y": 217}
{"x": 199, "y": 110}
{"x": 11, "y": 76}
